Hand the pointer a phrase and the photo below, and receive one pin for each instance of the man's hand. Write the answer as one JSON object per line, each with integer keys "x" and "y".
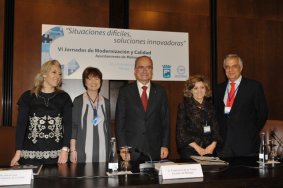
{"x": 124, "y": 156}
{"x": 164, "y": 152}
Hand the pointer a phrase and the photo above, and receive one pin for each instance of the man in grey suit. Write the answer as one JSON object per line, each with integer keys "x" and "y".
{"x": 142, "y": 115}
{"x": 241, "y": 111}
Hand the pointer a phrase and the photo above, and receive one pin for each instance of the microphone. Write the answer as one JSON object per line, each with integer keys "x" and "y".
{"x": 146, "y": 165}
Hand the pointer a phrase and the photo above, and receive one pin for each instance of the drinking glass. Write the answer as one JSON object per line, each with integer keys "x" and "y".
{"x": 280, "y": 153}
{"x": 125, "y": 164}
{"x": 272, "y": 150}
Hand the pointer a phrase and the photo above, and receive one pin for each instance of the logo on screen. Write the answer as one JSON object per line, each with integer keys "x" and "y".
{"x": 181, "y": 69}
{"x": 166, "y": 71}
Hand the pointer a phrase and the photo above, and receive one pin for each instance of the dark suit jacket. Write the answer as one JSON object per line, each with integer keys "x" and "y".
{"x": 147, "y": 131}
{"x": 240, "y": 128}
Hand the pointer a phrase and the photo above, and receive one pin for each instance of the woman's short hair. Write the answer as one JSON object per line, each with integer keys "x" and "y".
{"x": 39, "y": 78}
{"x": 191, "y": 82}
{"x": 91, "y": 72}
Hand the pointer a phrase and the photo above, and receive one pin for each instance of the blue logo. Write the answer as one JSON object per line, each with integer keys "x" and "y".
{"x": 47, "y": 39}
{"x": 73, "y": 65}
{"x": 166, "y": 71}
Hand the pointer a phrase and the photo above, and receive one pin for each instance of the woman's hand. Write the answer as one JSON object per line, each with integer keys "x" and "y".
{"x": 73, "y": 151}
{"x": 16, "y": 158}
{"x": 63, "y": 156}
{"x": 198, "y": 149}
{"x": 73, "y": 156}
{"x": 210, "y": 148}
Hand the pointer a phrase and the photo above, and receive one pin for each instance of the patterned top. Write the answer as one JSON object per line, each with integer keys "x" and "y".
{"x": 191, "y": 118}
{"x": 44, "y": 126}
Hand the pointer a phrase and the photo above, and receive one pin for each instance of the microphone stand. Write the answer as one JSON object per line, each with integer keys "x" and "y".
{"x": 146, "y": 166}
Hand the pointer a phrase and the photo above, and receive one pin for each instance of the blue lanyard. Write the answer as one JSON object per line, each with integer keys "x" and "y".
{"x": 97, "y": 104}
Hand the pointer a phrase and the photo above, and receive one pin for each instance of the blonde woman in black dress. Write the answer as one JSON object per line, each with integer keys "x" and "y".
{"x": 44, "y": 122}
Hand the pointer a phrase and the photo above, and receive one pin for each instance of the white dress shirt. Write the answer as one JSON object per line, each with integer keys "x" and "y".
{"x": 228, "y": 87}
{"x": 140, "y": 85}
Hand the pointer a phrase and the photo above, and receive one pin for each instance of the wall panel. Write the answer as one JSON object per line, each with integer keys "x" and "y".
{"x": 182, "y": 16}
{"x": 29, "y": 16}
{"x": 253, "y": 30}
{"x": 2, "y": 6}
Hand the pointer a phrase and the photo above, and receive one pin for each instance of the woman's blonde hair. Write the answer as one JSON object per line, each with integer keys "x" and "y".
{"x": 39, "y": 78}
{"x": 191, "y": 82}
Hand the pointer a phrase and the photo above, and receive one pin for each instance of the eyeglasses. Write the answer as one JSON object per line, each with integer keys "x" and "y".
{"x": 231, "y": 67}
{"x": 144, "y": 67}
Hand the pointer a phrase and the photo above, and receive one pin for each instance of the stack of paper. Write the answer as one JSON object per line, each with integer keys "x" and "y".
{"x": 35, "y": 168}
{"x": 205, "y": 160}
{"x": 159, "y": 164}
{"x": 119, "y": 173}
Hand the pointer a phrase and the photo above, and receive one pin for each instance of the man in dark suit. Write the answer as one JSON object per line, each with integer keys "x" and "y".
{"x": 241, "y": 111}
{"x": 143, "y": 122}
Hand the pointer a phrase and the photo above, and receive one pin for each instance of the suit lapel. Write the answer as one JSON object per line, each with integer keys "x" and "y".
{"x": 152, "y": 99}
{"x": 222, "y": 94}
{"x": 238, "y": 95}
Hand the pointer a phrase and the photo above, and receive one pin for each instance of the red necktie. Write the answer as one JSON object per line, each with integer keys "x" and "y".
{"x": 144, "y": 97}
{"x": 231, "y": 95}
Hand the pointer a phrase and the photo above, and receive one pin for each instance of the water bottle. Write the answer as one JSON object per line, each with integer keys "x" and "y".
{"x": 113, "y": 159}
{"x": 263, "y": 153}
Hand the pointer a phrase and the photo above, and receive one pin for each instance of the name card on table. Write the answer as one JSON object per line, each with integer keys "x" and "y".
{"x": 181, "y": 171}
{"x": 16, "y": 177}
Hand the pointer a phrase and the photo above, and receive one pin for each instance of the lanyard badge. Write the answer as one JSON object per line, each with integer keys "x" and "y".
{"x": 206, "y": 128}
{"x": 96, "y": 119}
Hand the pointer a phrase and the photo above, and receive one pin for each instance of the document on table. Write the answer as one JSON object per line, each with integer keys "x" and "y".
{"x": 35, "y": 168}
{"x": 205, "y": 160}
{"x": 158, "y": 165}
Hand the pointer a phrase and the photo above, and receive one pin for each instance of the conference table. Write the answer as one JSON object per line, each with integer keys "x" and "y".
{"x": 241, "y": 172}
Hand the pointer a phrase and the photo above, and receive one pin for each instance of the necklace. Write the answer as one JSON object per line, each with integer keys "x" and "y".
{"x": 46, "y": 100}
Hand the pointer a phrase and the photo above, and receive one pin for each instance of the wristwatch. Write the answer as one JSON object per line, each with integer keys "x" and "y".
{"x": 65, "y": 149}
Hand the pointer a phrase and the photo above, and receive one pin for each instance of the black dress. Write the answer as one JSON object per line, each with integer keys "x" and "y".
{"x": 191, "y": 118}
{"x": 44, "y": 126}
